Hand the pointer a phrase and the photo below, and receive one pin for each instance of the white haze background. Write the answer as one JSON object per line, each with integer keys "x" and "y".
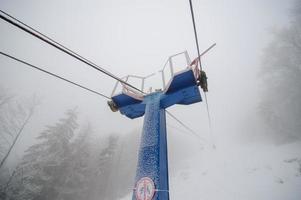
{"x": 136, "y": 37}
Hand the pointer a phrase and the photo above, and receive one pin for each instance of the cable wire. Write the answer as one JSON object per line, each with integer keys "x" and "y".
{"x": 199, "y": 57}
{"x": 188, "y": 132}
{"x": 185, "y": 126}
{"x": 85, "y": 88}
{"x": 59, "y": 46}
{"x": 66, "y": 50}
{"x": 195, "y": 32}
{"x": 52, "y": 74}
{"x": 15, "y": 139}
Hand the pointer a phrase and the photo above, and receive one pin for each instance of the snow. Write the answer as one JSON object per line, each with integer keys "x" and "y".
{"x": 242, "y": 172}
{"x": 127, "y": 197}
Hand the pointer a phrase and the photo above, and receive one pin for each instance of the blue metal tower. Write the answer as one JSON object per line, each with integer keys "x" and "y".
{"x": 151, "y": 182}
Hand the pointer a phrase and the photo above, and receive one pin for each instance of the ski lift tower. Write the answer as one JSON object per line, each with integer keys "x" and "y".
{"x": 151, "y": 182}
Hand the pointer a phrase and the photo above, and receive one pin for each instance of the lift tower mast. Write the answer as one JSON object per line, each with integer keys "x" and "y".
{"x": 151, "y": 182}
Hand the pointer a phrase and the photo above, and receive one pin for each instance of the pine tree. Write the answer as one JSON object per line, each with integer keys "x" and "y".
{"x": 79, "y": 175}
{"x": 280, "y": 106}
{"x": 103, "y": 172}
{"x": 45, "y": 164}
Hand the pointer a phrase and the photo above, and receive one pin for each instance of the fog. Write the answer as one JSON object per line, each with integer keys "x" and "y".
{"x": 136, "y": 37}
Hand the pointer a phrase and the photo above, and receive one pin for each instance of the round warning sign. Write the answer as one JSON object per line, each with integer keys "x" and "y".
{"x": 145, "y": 189}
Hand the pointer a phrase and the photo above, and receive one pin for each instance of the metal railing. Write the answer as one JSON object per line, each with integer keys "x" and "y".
{"x": 169, "y": 65}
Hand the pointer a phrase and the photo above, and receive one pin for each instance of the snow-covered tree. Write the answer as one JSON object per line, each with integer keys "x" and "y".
{"x": 45, "y": 165}
{"x": 79, "y": 173}
{"x": 14, "y": 116}
{"x": 280, "y": 107}
{"x": 66, "y": 164}
{"x": 103, "y": 170}
{"x": 124, "y": 167}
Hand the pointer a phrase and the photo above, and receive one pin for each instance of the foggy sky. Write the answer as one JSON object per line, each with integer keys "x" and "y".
{"x": 136, "y": 37}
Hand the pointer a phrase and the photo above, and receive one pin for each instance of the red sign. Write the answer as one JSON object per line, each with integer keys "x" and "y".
{"x": 145, "y": 189}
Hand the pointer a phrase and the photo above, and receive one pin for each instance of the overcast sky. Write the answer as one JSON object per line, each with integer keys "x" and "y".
{"x": 136, "y": 37}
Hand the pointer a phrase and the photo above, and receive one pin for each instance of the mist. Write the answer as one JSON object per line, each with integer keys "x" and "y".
{"x": 254, "y": 99}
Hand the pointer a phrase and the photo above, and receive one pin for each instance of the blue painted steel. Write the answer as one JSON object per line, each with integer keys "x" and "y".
{"x": 152, "y": 160}
{"x": 181, "y": 80}
{"x": 182, "y": 90}
{"x": 122, "y": 100}
{"x": 129, "y": 106}
{"x": 184, "y": 96}
{"x": 133, "y": 111}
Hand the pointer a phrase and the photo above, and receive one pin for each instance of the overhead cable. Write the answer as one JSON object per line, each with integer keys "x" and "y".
{"x": 199, "y": 57}
{"x": 185, "y": 131}
{"x": 185, "y": 126}
{"x": 195, "y": 32}
{"x": 15, "y": 139}
{"x": 19, "y": 24}
{"x": 52, "y": 74}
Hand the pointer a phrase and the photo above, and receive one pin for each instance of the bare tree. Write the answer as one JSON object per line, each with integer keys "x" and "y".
{"x": 14, "y": 116}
